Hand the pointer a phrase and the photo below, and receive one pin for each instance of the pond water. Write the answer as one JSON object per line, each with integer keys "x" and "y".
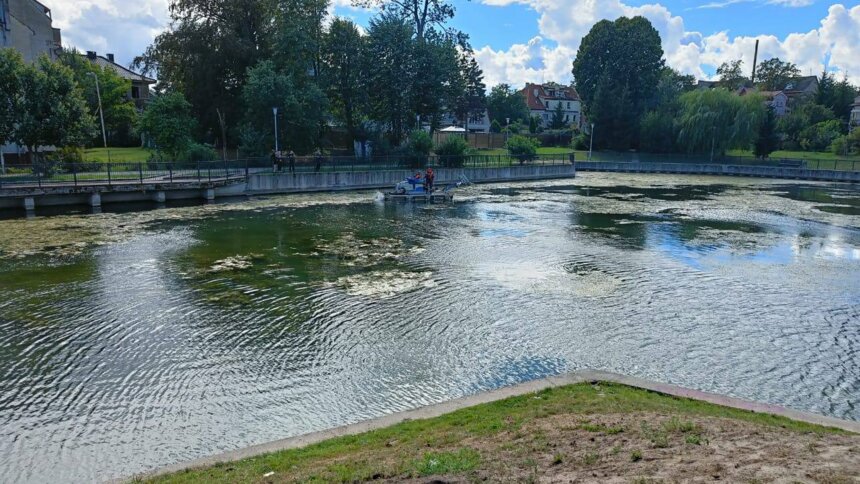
{"x": 132, "y": 340}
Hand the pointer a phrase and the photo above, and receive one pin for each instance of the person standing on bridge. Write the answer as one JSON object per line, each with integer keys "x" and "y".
{"x": 291, "y": 161}
{"x": 429, "y": 177}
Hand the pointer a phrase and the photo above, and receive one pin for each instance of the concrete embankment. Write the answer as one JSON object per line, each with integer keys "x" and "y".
{"x": 721, "y": 170}
{"x": 315, "y": 182}
{"x": 97, "y": 193}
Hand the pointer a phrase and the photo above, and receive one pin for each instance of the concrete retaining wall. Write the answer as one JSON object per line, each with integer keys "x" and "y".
{"x": 315, "y": 182}
{"x": 722, "y": 170}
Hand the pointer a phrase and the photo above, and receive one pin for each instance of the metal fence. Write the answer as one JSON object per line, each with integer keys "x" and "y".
{"x": 150, "y": 172}
{"x": 140, "y": 173}
{"x": 810, "y": 163}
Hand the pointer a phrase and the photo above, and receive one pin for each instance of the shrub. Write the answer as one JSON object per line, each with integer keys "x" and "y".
{"x": 199, "y": 152}
{"x": 418, "y": 148}
{"x": 839, "y": 146}
{"x": 820, "y": 136}
{"x": 495, "y": 127}
{"x": 452, "y": 152}
{"x": 522, "y": 148}
{"x": 580, "y": 142}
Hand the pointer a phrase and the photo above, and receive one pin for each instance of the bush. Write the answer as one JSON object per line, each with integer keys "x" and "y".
{"x": 580, "y": 142}
{"x": 71, "y": 159}
{"x": 523, "y": 148}
{"x": 495, "y": 127}
{"x": 199, "y": 152}
{"x": 452, "y": 152}
{"x": 820, "y": 136}
{"x": 418, "y": 148}
{"x": 839, "y": 146}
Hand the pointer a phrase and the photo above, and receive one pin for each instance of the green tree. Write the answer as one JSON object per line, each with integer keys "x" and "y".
{"x": 774, "y": 74}
{"x": 657, "y": 133}
{"x": 801, "y": 117}
{"x": 732, "y": 75}
{"x": 299, "y": 39}
{"x": 206, "y": 54}
{"x": 522, "y": 148}
{"x": 505, "y": 103}
{"x": 767, "y": 141}
{"x": 53, "y": 111}
{"x": 843, "y": 96}
{"x": 344, "y": 73}
{"x": 495, "y": 127}
{"x": 471, "y": 92}
{"x": 11, "y": 96}
{"x": 820, "y": 136}
{"x": 422, "y": 15}
{"x": 557, "y": 121}
{"x": 718, "y": 120}
{"x": 390, "y": 71}
{"x": 168, "y": 122}
{"x": 301, "y": 111}
{"x": 616, "y": 71}
{"x": 120, "y": 113}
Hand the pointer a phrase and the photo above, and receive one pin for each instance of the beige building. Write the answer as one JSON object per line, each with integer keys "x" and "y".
{"x": 26, "y": 25}
{"x": 544, "y": 99}
{"x": 139, "y": 91}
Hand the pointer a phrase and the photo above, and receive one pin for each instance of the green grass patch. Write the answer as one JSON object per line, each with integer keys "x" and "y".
{"x": 798, "y": 155}
{"x": 116, "y": 154}
{"x": 402, "y": 451}
{"x": 433, "y": 463}
{"x": 550, "y": 150}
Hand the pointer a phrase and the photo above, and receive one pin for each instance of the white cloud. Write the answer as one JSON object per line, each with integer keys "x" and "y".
{"x": 563, "y": 23}
{"x": 117, "y": 26}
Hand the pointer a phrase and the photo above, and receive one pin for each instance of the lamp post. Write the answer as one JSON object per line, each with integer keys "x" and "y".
{"x": 275, "y": 115}
{"x": 591, "y": 142}
{"x": 101, "y": 112}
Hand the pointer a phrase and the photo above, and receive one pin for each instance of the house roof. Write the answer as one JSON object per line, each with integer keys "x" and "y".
{"x": 802, "y": 83}
{"x": 102, "y": 61}
{"x": 536, "y": 94}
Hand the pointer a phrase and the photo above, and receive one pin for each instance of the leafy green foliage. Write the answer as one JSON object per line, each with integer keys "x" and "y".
{"x": 167, "y": 122}
{"x": 120, "y": 113}
{"x": 52, "y": 111}
{"x": 207, "y": 53}
{"x": 452, "y": 151}
{"x": 495, "y": 127}
{"x": 558, "y": 121}
{"x": 469, "y": 90}
{"x": 767, "y": 141}
{"x": 522, "y": 148}
{"x": 301, "y": 110}
{"x": 731, "y": 75}
{"x": 657, "y": 133}
{"x": 617, "y": 69}
{"x": 718, "y": 120}
{"x": 820, "y": 136}
{"x": 774, "y": 74}
{"x": 800, "y": 118}
{"x": 344, "y": 73}
{"x": 506, "y": 103}
{"x": 11, "y": 93}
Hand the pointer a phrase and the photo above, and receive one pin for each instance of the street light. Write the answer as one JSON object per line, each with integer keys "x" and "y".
{"x": 591, "y": 142}
{"x": 275, "y": 115}
{"x": 101, "y": 112}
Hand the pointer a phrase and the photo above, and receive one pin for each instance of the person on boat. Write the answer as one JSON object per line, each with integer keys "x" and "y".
{"x": 428, "y": 180}
{"x": 416, "y": 179}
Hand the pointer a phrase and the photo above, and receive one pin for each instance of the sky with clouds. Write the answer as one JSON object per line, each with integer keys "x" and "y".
{"x": 536, "y": 40}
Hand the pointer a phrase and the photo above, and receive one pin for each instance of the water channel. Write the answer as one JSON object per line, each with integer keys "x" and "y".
{"x": 132, "y": 340}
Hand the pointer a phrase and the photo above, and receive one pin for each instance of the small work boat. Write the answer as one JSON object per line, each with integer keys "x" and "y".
{"x": 414, "y": 189}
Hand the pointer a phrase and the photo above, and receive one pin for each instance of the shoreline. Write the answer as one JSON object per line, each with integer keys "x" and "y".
{"x": 490, "y": 396}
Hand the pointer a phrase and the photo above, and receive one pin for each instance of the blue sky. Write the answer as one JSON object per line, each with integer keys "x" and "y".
{"x": 518, "y": 41}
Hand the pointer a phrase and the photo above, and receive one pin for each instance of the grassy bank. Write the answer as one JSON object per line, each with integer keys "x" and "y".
{"x": 604, "y": 431}
{"x": 116, "y": 154}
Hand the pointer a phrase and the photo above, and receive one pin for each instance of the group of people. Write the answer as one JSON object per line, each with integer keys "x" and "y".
{"x": 427, "y": 179}
{"x": 279, "y": 158}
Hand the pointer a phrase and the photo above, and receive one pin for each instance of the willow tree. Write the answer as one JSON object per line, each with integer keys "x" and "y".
{"x": 718, "y": 120}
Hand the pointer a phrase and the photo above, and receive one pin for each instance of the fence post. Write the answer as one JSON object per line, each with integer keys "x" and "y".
{"x": 198, "y": 171}
{"x": 209, "y": 171}
{"x": 246, "y": 170}
{"x": 74, "y": 174}
{"x": 109, "y": 180}
{"x": 140, "y": 172}
{"x": 170, "y": 171}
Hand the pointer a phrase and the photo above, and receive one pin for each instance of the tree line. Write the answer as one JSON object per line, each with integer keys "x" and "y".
{"x": 234, "y": 61}
{"x": 636, "y": 102}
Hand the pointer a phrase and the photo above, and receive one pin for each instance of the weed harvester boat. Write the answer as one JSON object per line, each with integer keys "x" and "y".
{"x": 414, "y": 189}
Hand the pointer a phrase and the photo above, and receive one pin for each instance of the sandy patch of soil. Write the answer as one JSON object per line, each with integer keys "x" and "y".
{"x": 647, "y": 447}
